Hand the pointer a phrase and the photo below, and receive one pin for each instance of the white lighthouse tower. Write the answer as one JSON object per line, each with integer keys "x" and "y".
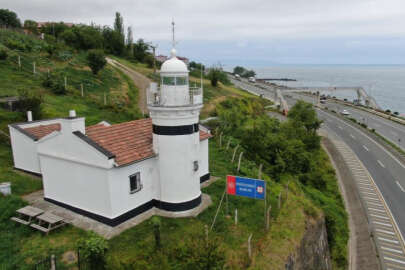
{"x": 174, "y": 108}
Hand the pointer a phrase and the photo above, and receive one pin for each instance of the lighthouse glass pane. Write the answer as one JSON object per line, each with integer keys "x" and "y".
{"x": 169, "y": 80}
{"x": 181, "y": 80}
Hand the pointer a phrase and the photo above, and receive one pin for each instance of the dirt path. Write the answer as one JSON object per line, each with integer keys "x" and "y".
{"x": 140, "y": 80}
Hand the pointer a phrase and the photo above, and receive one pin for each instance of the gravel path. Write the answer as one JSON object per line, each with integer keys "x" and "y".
{"x": 140, "y": 80}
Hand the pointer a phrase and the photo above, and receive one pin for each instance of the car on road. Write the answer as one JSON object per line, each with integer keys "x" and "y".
{"x": 345, "y": 112}
{"x": 252, "y": 79}
{"x": 323, "y": 101}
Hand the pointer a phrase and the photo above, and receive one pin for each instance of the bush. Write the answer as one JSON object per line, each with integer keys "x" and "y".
{"x": 56, "y": 84}
{"x": 3, "y": 54}
{"x": 93, "y": 249}
{"x": 29, "y": 102}
{"x": 96, "y": 60}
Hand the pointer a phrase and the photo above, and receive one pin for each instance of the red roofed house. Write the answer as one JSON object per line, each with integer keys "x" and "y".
{"x": 112, "y": 173}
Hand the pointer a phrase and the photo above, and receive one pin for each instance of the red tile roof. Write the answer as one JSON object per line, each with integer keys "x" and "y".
{"x": 42, "y": 130}
{"x": 129, "y": 141}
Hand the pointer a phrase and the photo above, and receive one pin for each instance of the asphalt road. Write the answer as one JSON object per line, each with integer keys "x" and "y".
{"x": 384, "y": 168}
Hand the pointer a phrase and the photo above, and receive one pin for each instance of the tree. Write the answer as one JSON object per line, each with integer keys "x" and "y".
{"x": 28, "y": 101}
{"x": 93, "y": 249}
{"x": 54, "y": 29}
{"x": 31, "y": 26}
{"x": 140, "y": 50}
{"x": 9, "y": 19}
{"x": 239, "y": 70}
{"x": 113, "y": 41}
{"x": 96, "y": 60}
{"x": 130, "y": 38}
{"x": 119, "y": 24}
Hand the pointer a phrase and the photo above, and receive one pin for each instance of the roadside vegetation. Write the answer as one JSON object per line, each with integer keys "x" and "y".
{"x": 290, "y": 153}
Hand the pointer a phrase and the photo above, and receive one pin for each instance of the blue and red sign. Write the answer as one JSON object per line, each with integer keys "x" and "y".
{"x": 247, "y": 187}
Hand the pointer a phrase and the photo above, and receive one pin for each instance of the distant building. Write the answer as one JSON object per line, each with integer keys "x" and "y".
{"x": 162, "y": 58}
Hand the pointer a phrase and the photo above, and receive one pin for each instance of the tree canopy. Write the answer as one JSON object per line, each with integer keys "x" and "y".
{"x": 241, "y": 71}
{"x": 9, "y": 19}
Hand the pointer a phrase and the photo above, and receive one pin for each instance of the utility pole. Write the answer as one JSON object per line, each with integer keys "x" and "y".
{"x": 154, "y": 56}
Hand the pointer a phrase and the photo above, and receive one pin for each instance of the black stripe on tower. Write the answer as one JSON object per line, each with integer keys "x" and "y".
{"x": 175, "y": 130}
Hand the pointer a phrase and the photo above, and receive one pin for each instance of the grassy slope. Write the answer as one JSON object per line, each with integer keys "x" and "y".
{"x": 135, "y": 245}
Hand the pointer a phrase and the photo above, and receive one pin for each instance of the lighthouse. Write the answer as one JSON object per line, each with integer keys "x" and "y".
{"x": 174, "y": 108}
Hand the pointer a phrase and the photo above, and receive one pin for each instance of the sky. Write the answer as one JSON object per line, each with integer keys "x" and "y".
{"x": 252, "y": 33}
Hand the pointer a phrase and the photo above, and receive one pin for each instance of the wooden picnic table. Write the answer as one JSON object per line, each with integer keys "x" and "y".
{"x": 48, "y": 222}
{"x": 26, "y": 214}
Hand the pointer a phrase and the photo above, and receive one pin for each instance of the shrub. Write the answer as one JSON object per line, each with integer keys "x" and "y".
{"x": 3, "y": 54}
{"x": 96, "y": 60}
{"x": 29, "y": 102}
{"x": 93, "y": 249}
{"x": 56, "y": 84}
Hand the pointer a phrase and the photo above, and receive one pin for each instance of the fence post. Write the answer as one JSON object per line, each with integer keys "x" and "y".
{"x": 65, "y": 82}
{"x": 220, "y": 140}
{"x": 53, "y": 265}
{"x": 105, "y": 99}
{"x": 236, "y": 216}
{"x": 288, "y": 183}
{"x": 81, "y": 88}
{"x": 19, "y": 62}
{"x": 268, "y": 218}
{"x": 33, "y": 68}
{"x": 240, "y": 158}
{"x": 250, "y": 246}
{"x": 279, "y": 201}
{"x": 228, "y": 144}
{"x": 260, "y": 171}
{"x": 234, "y": 153}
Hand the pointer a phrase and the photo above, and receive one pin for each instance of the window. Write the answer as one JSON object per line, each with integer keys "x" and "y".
{"x": 181, "y": 80}
{"x": 135, "y": 182}
{"x": 169, "y": 80}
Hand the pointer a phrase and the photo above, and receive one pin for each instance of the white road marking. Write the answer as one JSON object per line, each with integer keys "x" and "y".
{"x": 388, "y": 240}
{"x": 377, "y": 216}
{"x": 382, "y": 223}
{"x": 381, "y": 164}
{"x": 384, "y": 231}
{"x": 364, "y": 188}
{"x": 365, "y": 148}
{"x": 394, "y": 260}
{"x": 369, "y": 193}
{"x": 377, "y": 204}
{"x": 351, "y": 135}
{"x": 371, "y": 198}
{"x": 363, "y": 184}
{"x": 392, "y": 250}
{"x": 375, "y": 209}
{"x": 402, "y": 189}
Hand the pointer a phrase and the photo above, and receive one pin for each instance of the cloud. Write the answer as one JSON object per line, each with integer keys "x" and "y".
{"x": 236, "y": 23}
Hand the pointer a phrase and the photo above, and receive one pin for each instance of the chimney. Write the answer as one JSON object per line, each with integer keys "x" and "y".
{"x": 29, "y": 116}
{"x": 73, "y": 123}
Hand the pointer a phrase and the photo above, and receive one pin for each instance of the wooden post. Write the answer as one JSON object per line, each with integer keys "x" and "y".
{"x": 220, "y": 140}
{"x": 288, "y": 183}
{"x": 236, "y": 216}
{"x": 268, "y": 218}
{"x": 250, "y": 246}
{"x": 279, "y": 200}
{"x": 19, "y": 62}
{"x": 105, "y": 99}
{"x": 33, "y": 68}
{"x": 228, "y": 144}
{"x": 81, "y": 88}
{"x": 206, "y": 235}
{"x": 216, "y": 131}
{"x": 48, "y": 72}
{"x": 260, "y": 171}
{"x": 53, "y": 264}
{"x": 234, "y": 153}
{"x": 65, "y": 82}
{"x": 240, "y": 158}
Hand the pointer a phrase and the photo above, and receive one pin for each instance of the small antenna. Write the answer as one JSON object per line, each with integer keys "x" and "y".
{"x": 173, "y": 40}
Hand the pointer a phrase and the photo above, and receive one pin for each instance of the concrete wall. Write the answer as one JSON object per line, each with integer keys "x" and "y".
{"x": 122, "y": 200}
{"x": 24, "y": 151}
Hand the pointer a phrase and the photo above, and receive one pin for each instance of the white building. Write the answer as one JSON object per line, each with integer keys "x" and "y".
{"x": 114, "y": 172}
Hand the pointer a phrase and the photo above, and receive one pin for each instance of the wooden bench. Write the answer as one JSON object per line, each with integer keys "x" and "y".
{"x": 48, "y": 222}
{"x": 27, "y": 214}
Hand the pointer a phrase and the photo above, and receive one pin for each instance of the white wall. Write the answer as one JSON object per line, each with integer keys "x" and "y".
{"x": 24, "y": 151}
{"x": 122, "y": 200}
{"x": 204, "y": 162}
{"x": 77, "y": 185}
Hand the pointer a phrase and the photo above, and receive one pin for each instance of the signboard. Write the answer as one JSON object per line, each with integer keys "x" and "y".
{"x": 246, "y": 187}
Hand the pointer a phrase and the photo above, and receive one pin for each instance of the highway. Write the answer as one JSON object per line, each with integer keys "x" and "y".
{"x": 385, "y": 169}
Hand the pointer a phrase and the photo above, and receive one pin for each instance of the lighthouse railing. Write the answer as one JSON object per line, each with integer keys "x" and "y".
{"x": 154, "y": 97}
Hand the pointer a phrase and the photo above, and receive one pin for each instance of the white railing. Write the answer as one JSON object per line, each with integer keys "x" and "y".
{"x": 155, "y": 97}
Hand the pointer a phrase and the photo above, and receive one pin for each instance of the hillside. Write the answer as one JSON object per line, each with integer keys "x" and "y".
{"x": 184, "y": 244}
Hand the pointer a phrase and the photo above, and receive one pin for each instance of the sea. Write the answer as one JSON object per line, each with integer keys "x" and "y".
{"x": 386, "y": 83}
